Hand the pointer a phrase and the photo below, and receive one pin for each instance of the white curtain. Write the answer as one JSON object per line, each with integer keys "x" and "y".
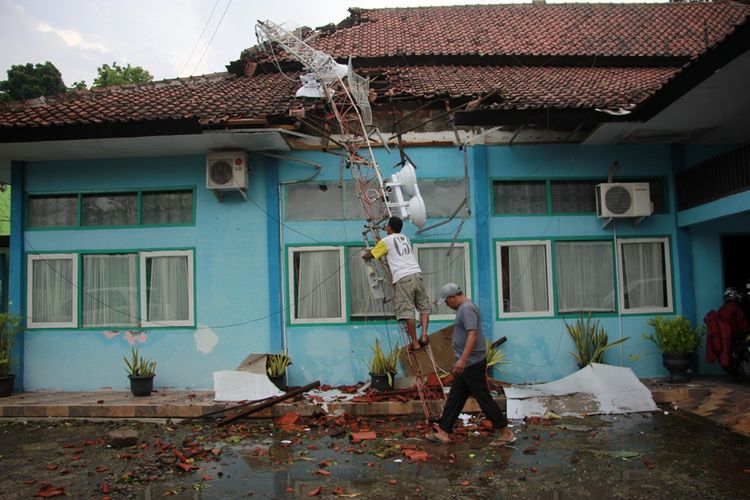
{"x": 585, "y": 276}
{"x": 109, "y": 290}
{"x": 318, "y": 289}
{"x": 644, "y": 276}
{"x": 527, "y": 278}
{"x": 168, "y": 288}
{"x": 52, "y": 290}
{"x": 441, "y": 265}
{"x": 361, "y": 301}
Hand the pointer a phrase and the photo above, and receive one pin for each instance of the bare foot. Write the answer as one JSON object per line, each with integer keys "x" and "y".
{"x": 506, "y": 437}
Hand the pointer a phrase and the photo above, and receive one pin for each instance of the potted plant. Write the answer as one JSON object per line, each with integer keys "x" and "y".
{"x": 276, "y": 365}
{"x": 678, "y": 341}
{"x": 590, "y": 340}
{"x": 9, "y": 324}
{"x": 383, "y": 367}
{"x": 141, "y": 372}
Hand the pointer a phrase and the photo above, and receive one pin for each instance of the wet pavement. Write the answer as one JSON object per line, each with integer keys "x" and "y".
{"x": 670, "y": 452}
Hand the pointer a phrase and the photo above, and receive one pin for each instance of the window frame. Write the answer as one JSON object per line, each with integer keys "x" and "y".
{"x": 467, "y": 270}
{"x": 31, "y": 258}
{"x": 343, "y": 318}
{"x": 547, "y": 244}
{"x": 104, "y": 192}
{"x": 668, "y": 276}
{"x": 143, "y": 288}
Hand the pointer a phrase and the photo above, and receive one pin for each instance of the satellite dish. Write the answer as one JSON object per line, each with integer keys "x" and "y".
{"x": 416, "y": 211}
{"x": 407, "y": 178}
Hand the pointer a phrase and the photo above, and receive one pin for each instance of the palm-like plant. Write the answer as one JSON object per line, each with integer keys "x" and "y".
{"x": 137, "y": 366}
{"x": 590, "y": 340}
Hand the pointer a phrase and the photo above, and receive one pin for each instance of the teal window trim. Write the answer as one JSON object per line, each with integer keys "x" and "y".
{"x": 344, "y": 268}
{"x": 548, "y": 183}
{"x": 79, "y": 286}
{"x": 139, "y": 218}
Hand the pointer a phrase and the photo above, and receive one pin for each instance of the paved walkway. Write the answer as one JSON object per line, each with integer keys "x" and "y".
{"x": 720, "y": 399}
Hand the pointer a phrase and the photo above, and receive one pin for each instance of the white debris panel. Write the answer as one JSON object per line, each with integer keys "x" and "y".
{"x": 592, "y": 390}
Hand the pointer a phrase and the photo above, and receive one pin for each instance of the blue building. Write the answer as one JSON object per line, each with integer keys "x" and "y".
{"x": 121, "y": 236}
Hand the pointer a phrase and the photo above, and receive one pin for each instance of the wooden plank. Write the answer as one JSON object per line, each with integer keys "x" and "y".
{"x": 265, "y": 404}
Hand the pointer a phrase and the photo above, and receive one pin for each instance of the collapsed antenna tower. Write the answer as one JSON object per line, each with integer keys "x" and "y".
{"x": 348, "y": 95}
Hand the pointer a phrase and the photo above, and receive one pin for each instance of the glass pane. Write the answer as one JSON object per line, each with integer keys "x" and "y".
{"x": 658, "y": 195}
{"x": 442, "y": 197}
{"x": 52, "y": 290}
{"x": 53, "y": 211}
{"x": 585, "y": 276}
{"x": 573, "y": 196}
{"x": 110, "y": 290}
{"x": 317, "y": 286}
{"x": 644, "y": 275}
{"x": 353, "y": 207}
{"x": 525, "y": 279}
{"x": 362, "y": 303}
{"x": 314, "y": 201}
{"x": 109, "y": 209}
{"x": 520, "y": 197}
{"x": 167, "y": 207}
{"x": 167, "y": 296}
{"x": 441, "y": 265}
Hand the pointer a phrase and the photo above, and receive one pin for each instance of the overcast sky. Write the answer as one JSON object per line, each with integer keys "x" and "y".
{"x": 169, "y": 38}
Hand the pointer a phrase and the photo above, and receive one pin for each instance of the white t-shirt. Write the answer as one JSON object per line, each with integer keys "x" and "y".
{"x": 401, "y": 258}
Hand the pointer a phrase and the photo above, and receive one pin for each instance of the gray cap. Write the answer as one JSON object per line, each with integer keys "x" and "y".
{"x": 448, "y": 290}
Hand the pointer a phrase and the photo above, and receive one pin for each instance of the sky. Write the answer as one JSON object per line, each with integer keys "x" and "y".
{"x": 169, "y": 38}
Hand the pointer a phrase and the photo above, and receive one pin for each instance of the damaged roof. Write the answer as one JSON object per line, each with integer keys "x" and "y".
{"x": 569, "y": 57}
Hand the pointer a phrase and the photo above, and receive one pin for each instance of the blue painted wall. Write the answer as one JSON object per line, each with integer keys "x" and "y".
{"x": 233, "y": 309}
{"x": 240, "y": 278}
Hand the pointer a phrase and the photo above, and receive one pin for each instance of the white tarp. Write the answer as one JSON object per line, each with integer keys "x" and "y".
{"x": 591, "y": 390}
{"x": 248, "y": 383}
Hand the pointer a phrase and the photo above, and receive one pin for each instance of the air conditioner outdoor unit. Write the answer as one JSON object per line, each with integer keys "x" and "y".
{"x": 227, "y": 171}
{"x": 623, "y": 199}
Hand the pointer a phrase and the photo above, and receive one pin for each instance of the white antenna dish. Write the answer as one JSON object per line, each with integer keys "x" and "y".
{"x": 311, "y": 87}
{"x": 406, "y": 178}
{"x": 415, "y": 211}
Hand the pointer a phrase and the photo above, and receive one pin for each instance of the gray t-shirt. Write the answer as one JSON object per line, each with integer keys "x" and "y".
{"x": 467, "y": 318}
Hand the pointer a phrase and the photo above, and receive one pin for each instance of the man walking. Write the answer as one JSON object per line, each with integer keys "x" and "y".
{"x": 407, "y": 280}
{"x": 469, "y": 370}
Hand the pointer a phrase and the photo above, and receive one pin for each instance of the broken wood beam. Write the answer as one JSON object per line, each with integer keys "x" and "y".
{"x": 265, "y": 404}
{"x": 499, "y": 342}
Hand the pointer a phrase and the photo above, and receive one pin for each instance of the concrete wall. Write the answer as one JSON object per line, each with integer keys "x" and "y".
{"x": 233, "y": 309}
{"x": 241, "y": 270}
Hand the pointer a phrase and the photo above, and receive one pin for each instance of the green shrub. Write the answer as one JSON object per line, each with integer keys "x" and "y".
{"x": 9, "y": 323}
{"x": 674, "y": 336}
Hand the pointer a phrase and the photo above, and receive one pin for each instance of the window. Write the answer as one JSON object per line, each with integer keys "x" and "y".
{"x": 573, "y": 196}
{"x": 52, "y": 291}
{"x": 524, "y": 278}
{"x": 442, "y": 263}
{"x": 585, "y": 276}
{"x": 520, "y": 197}
{"x": 167, "y": 288}
{"x": 110, "y": 290}
{"x": 316, "y": 284}
{"x": 314, "y": 201}
{"x": 53, "y": 210}
{"x": 120, "y": 209}
{"x": 442, "y": 197}
{"x": 362, "y": 304}
{"x": 125, "y": 209}
{"x": 167, "y": 207}
{"x": 645, "y": 276}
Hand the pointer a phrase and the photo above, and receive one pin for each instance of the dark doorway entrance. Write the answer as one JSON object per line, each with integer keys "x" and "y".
{"x": 735, "y": 253}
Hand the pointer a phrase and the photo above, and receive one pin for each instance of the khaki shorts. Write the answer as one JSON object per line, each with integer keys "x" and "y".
{"x": 410, "y": 295}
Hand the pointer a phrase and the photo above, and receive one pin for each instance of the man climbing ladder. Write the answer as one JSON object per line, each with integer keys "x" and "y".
{"x": 407, "y": 281}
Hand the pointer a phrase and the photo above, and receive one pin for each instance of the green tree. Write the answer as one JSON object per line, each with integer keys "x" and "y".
{"x": 27, "y": 81}
{"x": 108, "y": 76}
{"x": 77, "y": 86}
